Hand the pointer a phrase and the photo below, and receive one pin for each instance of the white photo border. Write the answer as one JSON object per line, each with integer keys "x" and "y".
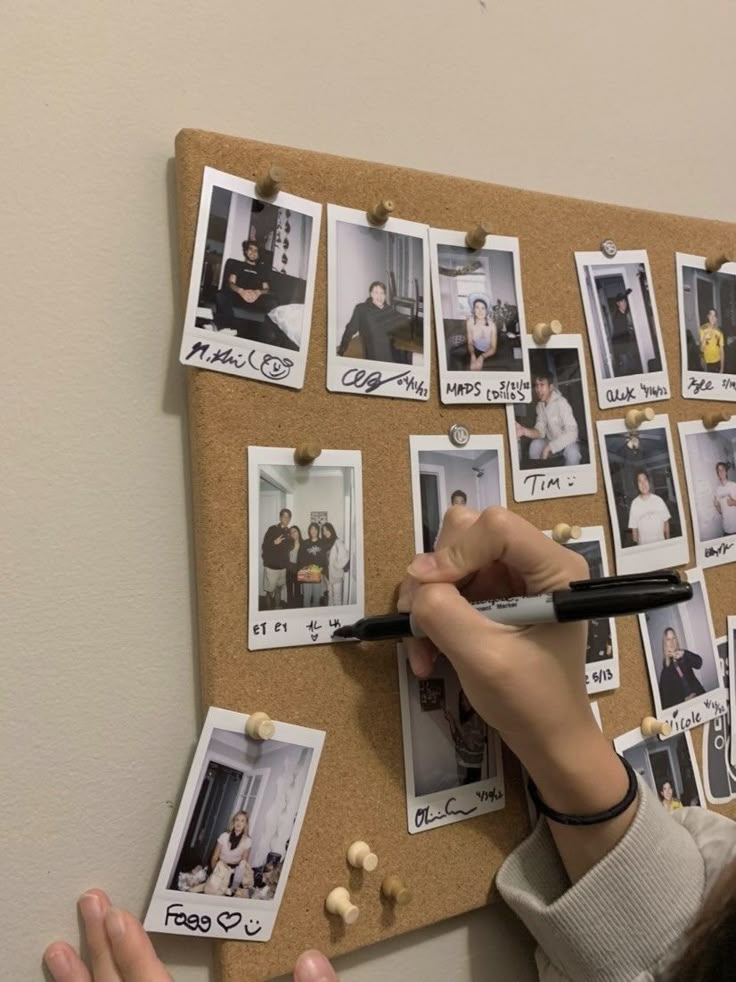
{"x": 724, "y": 752}
{"x": 362, "y": 376}
{"x": 491, "y": 387}
{"x": 602, "y": 676}
{"x": 694, "y": 712}
{"x": 442, "y": 443}
{"x": 650, "y": 556}
{"x": 201, "y": 348}
{"x": 304, "y": 625}
{"x": 700, "y": 385}
{"x": 564, "y": 481}
{"x": 712, "y": 552}
{"x": 433, "y": 811}
{"x": 627, "y": 389}
{"x": 229, "y": 917}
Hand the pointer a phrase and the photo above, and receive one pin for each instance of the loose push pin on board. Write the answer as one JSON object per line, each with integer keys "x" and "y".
{"x": 306, "y": 453}
{"x": 712, "y": 419}
{"x": 562, "y": 532}
{"x": 394, "y": 888}
{"x": 360, "y": 856}
{"x": 380, "y": 212}
{"x": 339, "y": 903}
{"x": 260, "y": 727}
{"x": 714, "y": 263}
{"x": 655, "y": 727}
{"x": 543, "y": 332}
{"x": 475, "y": 238}
{"x": 269, "y": 184}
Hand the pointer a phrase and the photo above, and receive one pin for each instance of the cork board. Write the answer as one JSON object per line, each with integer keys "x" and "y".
{"x": 359, "y": 790}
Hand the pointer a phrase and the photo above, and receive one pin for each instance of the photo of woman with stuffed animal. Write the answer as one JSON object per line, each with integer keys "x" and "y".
{"x": 239, "y": 821}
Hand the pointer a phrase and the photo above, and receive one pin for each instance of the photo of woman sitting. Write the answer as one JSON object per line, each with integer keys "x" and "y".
{"x": 678, "y": 681}
{"x": 481, "y": 331}
{"x": 669, "y": 799}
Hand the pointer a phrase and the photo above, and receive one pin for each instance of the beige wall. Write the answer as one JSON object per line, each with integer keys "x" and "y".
{"x": 624, "y": 102}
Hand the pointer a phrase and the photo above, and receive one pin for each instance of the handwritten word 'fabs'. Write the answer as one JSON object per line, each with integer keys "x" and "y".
{"x": 425, "y": 816}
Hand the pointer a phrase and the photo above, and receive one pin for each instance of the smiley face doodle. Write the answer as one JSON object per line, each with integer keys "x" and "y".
{"x": 272, "y": 367}
{"x": 252, "y": 927}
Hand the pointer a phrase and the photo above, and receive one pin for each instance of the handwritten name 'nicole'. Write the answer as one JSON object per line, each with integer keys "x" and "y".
{"x": 428, "y": 816}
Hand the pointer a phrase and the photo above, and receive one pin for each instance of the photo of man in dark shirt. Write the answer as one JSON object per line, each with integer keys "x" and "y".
{"x": 245, "y": 288}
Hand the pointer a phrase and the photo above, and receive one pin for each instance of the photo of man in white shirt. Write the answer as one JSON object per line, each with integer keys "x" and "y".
{"x": 724, "y": 499}
{"x": 649, "y": 516}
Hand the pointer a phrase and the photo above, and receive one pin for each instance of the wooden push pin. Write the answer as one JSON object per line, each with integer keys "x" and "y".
{"x": 269, "y": 185}
{"x": 655, "y": 727}
{"x": 635, "y": 417}
{"x": 712, "y": 419}
{"x": 361, "y": 857}
{"x": 475, "y": 238}
{"x": 380, "y": 212}
{"x": 306, "y": 453}
{"x": 339, "y": 902}
{"x": 714, "y": 263}
{"x": 394, "y": 888}
{"x": 260, "y": 727}
{"x": 562, "y": 532}
{"x": 543, "y": 332}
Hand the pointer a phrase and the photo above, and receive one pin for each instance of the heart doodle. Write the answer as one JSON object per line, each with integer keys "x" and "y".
{"x": 228, "y": 920}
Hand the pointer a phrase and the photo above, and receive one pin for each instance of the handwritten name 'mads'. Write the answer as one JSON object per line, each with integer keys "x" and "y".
{"x": 452, "y": 760}
{"x": 707, "y": 303}
{"x": 551, "y": 440}
{"x": 623, "y": 327}
{"x": 601, "y": 653}
{"x": 249, "y": 305}
{"x": 378, "y": 333}
{"x": 443, "y": 475}
{"x": 718, "y": 772}
{"x": 479, "y": 318}
{"x": 682, "y": 661}
{"x": 644, "y": 499}
{"x": 305, "y": 547}
{"x": 226, "y": 866}
{"x": 710, "y": 473}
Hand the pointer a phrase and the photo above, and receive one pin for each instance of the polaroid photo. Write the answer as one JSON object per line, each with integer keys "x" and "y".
{"x": 710, "y": 473}
{"x": 644, "y": 499}
{"x": 718, "y": 770}
{"x": 479, "y": 318}
{"x": 452, "y": 759}
{"x": 731, "y": 680}
{"x": 305, "y": 546}
{"x": 378, "y": 323}
{"x": 623, "y": 327}
{"x": 682, "y": 661}
{"x": 249, "y": 306}
{"x": 668, "y": 767}
{"x": 707, "y": 303}
{"x": 235, "y": 834}
{"x": 443, "y": 475}
{"x": 551, "y": 438}
{"x": 601, "y": 653}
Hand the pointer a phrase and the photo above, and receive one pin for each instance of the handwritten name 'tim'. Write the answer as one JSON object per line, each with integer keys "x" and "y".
{"x": 426, "y": 817}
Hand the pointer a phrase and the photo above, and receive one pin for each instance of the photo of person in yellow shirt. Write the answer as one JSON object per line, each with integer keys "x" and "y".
{"x": 712, "y": 347}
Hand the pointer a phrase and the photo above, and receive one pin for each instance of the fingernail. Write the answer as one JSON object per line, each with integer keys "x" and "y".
{"x": 58, "y": 963}
{"x": 422, "y": 565}
{"x": 115, "y": 924}
{"x": 312, "y": 966}
{"x": 89, "y": 904}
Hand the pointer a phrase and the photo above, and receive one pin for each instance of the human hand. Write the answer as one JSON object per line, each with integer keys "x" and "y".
{"x": 527, "y": 682}
{"x": 546, "y": 452}
{"x": 250, "y": 296}
{"x": 121, "y": 951}
{"x": 279, "y": 540}
{"x": 520, "y": 430}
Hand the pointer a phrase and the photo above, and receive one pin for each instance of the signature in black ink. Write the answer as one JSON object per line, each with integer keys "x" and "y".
{"x": 621, "y": 395}
{"x": 223, "y": 356}
{"x": 359, "y": 378}
{"x": 698, "y": 385}
{"x": 425, "y": 817}
{"x": 541, "y": 483}
{"x": 719, "y": 550}
{"x": 192, "y": 922}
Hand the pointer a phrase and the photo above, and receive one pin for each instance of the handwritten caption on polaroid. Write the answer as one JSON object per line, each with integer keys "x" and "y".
{"x": 600, "y": 678}
{"x": 504, "y": 391}
{"x": 701, "y": 386}
{"x": 707, "y": 707}
{"x": 231, "y": 923}
{"x": 320, "y": 629}
{"x": 623, "y": 395}
{"x": 248, "y": 363}
{"x": 404, "y": 383}
{"x": 449, "y": 810}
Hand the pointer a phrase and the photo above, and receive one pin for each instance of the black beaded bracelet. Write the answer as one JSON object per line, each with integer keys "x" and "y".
{"x": 605, "y": 816}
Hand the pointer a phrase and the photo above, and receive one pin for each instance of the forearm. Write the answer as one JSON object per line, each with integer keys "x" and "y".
{"x": 579, "y": 773}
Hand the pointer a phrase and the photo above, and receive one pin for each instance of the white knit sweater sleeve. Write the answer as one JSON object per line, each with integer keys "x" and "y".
{"x": 612, "y": 925}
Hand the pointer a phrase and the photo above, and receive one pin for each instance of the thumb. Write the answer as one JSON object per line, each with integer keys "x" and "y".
{"x": 312, "y": 966}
